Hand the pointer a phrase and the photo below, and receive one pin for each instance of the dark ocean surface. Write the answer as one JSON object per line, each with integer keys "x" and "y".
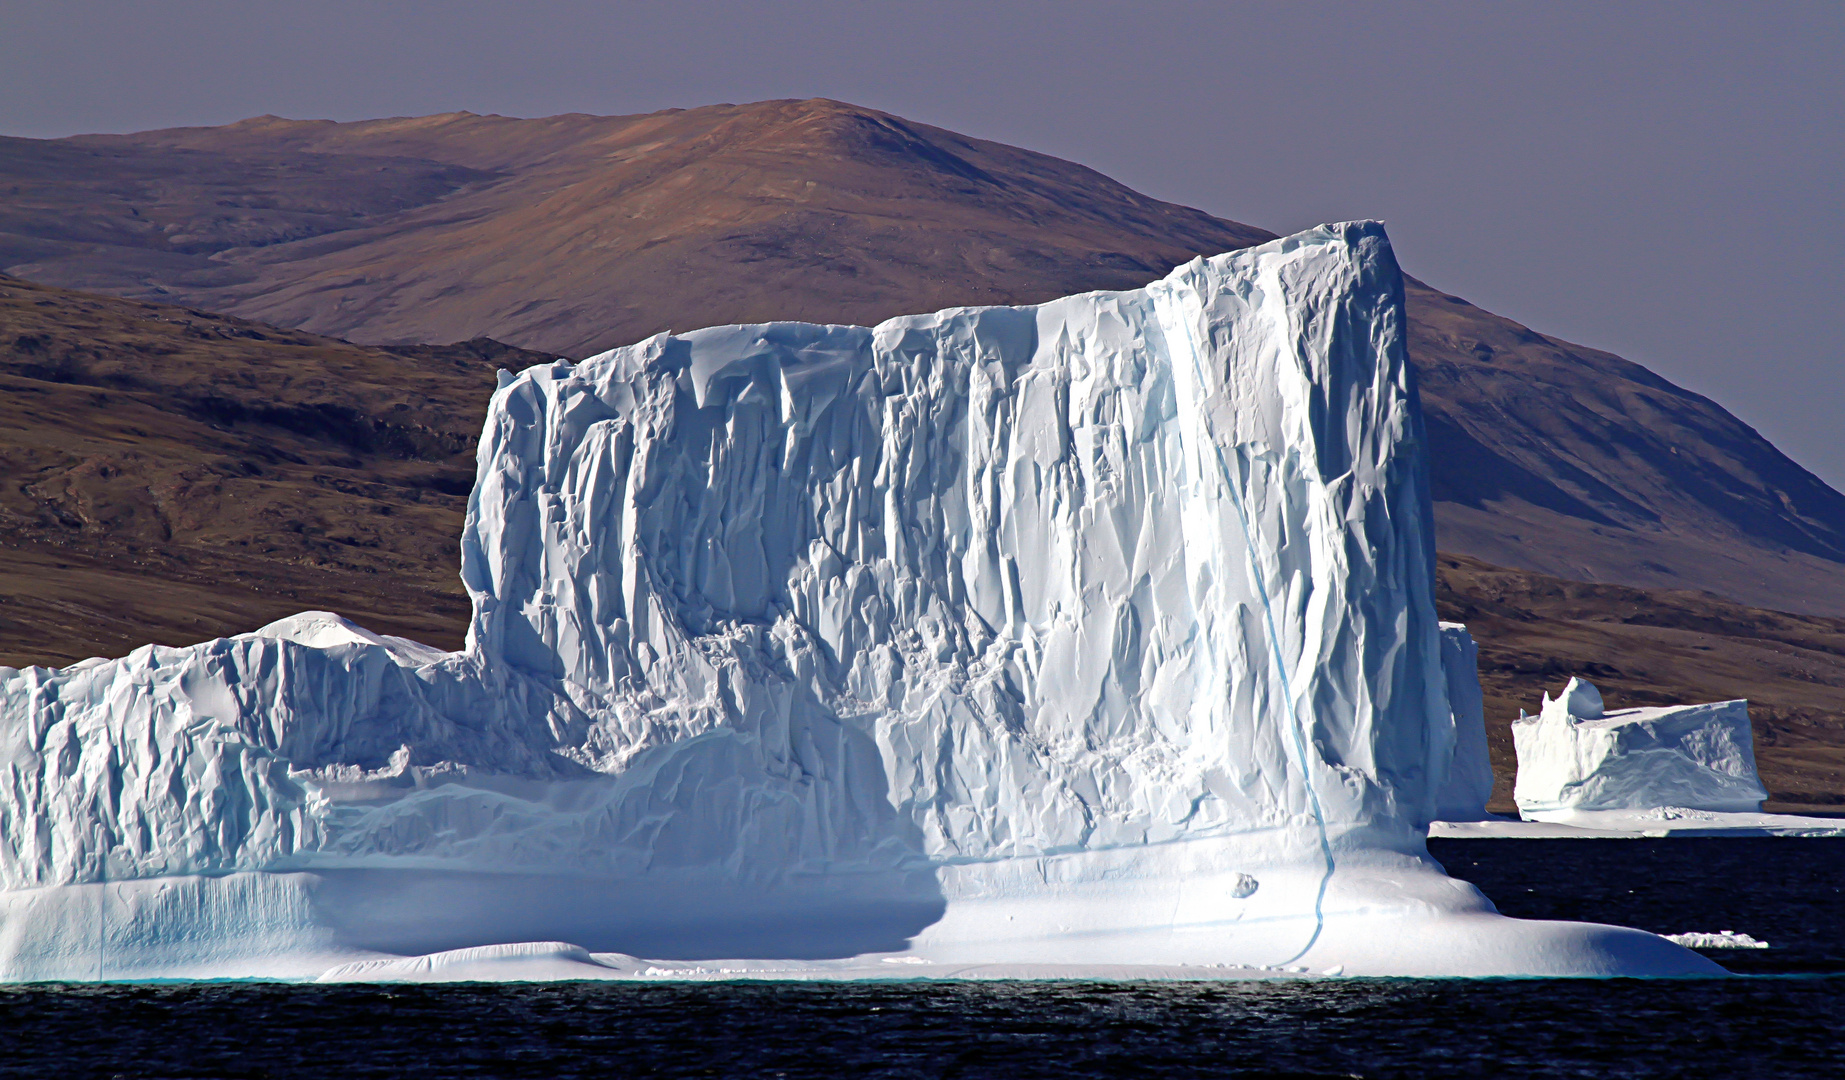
{"x": 1785, "y": 1019}
{"x": 1787, "y": 891}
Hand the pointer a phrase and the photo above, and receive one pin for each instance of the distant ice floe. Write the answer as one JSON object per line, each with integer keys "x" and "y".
{"x": 1092, "y": 639}
{"x": 1658, "y": 822}
{"x": 1726, "y": 939}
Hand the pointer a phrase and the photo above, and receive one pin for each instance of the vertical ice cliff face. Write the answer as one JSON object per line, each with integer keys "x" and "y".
{"x": 1574, "y": 756}
{"x": 1116, "y": 570}
{"x": 1462, "y": 796}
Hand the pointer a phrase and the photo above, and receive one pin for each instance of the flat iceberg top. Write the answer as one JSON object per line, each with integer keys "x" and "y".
{"x": 1642, "y": 714}
{"x": 1581, "y": 703}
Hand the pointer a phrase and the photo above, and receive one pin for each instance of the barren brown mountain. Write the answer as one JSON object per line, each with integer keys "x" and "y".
{"x": 571, "y": 234}
{"x": 172, "y": 475}
{"x": 574, "y": 234}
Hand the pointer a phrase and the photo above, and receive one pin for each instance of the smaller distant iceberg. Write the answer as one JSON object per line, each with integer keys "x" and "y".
{"x": 1574, "y": 755}
{"x": 1585, "y": 770}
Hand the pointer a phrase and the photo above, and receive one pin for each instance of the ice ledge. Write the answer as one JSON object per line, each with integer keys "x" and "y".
{"x": 1639, "y": 824}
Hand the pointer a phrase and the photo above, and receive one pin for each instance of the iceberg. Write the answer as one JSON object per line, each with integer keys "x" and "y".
{"x": 1469, "y": 783}
{"x": 1587, "y": 773}
{"x": 1575, "y": 758}
{"x": 1089, "y": 638}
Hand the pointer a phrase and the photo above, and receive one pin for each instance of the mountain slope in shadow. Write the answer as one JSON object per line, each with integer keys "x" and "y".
{"x": 173, "y": 476}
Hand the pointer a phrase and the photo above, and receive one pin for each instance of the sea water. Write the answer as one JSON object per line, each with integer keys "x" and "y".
{"x": 1784, "y": 1024}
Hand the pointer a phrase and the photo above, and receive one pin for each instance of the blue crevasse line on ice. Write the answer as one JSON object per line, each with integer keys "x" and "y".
{"x": 1281, "y": 670}
{"x": 1300, "y": 747}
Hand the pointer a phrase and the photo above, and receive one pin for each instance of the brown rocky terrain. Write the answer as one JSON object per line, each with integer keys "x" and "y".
{"x": 571, "y": 234}
{"x": 172, "y": 476}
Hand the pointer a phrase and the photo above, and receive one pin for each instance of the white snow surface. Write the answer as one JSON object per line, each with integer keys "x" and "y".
{"x": 1574, "y": 758}
{"x": 1093, "y": 637}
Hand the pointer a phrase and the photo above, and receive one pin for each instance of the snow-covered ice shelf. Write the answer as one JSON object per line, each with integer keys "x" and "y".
{"x": 1091, "y": 637}
{"x": 1659, "y": 821}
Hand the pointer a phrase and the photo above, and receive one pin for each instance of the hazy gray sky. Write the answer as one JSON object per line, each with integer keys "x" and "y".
{"x": 1659, "y": 180}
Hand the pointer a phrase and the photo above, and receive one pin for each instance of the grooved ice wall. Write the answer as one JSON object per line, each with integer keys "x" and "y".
{"x": 1118, "y": 569}
{"x": 1110, "y": 588}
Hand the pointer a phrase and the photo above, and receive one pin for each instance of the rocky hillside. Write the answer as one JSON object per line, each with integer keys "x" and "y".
{"x": 171, "y": 476}
{"x": 570, "y": 234}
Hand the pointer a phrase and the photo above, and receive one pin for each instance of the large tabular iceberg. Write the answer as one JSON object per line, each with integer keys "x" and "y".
{"x": 1046, "y": 639}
